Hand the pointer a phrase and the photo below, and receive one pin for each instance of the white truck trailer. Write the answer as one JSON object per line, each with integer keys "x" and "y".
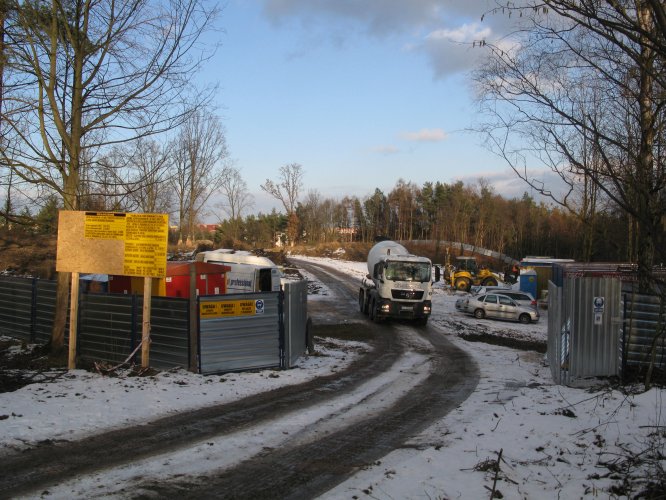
{"x": 398, "y": 284}
{"x": 249, "y": 273}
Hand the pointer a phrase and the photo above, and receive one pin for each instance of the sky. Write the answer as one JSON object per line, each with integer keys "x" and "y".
{"x": 360, "y": 94}
{"x": 554, "y": 439}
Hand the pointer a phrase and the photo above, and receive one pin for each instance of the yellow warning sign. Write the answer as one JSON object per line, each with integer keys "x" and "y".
{"x": 146, "y": 245}
{"x": 113, "y": 243}
{"x": 104, "y": 226}
{"x": 230, "y": 308}
{"x": 208, "y": 309}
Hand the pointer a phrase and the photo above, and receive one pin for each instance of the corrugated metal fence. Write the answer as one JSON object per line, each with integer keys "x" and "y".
{"x": 598, "y": 328}
{"x": 248, "y": 336}
{"x": 110, "y": 325}
{"x": 583, "y": 339}
{"x": 295, "y": 320}
{"x": 643, "y": 338}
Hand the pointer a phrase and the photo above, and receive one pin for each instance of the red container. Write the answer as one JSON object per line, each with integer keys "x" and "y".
{"x": 211, "y": 278}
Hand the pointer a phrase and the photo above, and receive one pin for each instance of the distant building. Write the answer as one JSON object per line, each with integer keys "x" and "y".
{"x": 211, "y": 228}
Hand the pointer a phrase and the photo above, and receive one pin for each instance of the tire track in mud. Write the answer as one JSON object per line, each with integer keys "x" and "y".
{"x": 292, "y": 471}
{"x": 309, "y": 469}
{"x": 34, "y": 468}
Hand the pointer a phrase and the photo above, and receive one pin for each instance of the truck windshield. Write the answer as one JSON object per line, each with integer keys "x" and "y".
{"x": 407, "y": 271}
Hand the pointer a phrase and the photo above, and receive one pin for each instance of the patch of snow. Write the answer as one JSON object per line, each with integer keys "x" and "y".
{"x": 554, "y": 440}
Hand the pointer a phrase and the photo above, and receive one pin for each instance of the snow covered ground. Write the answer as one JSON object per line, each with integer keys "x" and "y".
{"x": 554, "y": 441}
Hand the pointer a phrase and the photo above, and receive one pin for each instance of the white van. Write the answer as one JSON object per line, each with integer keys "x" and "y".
{"x": 249, "y": 273}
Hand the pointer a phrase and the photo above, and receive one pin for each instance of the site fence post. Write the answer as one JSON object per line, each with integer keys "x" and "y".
{"x": 73, "y": 320}
{"x": 194, "y": 323}
{"x": 145, "y": 334}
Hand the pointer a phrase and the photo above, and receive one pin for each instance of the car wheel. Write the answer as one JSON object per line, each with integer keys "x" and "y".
{"x": 479, "y": 314}
{"x": 524, "y": 319}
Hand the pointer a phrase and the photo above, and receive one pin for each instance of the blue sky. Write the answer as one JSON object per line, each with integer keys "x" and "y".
{"x": 360, "y": 93}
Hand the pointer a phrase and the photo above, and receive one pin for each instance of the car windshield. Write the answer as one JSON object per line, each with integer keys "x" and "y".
{"x": 407, "y": 271}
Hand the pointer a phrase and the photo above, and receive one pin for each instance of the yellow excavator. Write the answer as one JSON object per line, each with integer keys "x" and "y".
{"x": 465, "y": 273}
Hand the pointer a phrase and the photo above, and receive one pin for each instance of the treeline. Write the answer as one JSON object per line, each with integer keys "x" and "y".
{"x": 447, "y": 212}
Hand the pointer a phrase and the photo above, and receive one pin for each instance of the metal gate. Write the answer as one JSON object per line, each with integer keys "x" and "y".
{"x": 295, "y": 320}
{"x": 584, "y": 323}
{"x": 240, "y": 332}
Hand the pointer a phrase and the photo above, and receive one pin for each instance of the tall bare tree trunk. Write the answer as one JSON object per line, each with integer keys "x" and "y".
{"x": 646, "y": 229}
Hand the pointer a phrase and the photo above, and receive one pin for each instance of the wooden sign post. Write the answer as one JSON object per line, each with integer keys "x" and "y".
{"x": 73, "y": 321}
{"x": 145, "y": 332}
{"x": 117, "y": 243}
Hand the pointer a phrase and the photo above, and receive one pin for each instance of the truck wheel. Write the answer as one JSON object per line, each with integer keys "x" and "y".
{"x": 490, "y": 282}
{"x": 361, "y": 302}
{"x": 371, "y": 309}
{"x": 422, "y": 321}
{"x": 463, "y": 284}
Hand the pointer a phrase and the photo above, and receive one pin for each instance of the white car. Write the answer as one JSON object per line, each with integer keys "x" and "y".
{"x": 498, "y": 306}
{"x": 522, "y": 298}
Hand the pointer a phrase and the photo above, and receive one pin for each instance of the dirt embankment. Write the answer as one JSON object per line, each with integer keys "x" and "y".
{"x": 24, "y": 254}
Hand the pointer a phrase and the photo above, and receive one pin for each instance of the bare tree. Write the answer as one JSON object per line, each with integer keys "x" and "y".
{"x": 80, "y": 76}
{"x": 237, "y": 198}
{"x": 311, "y": 217}
{"x": 286, "y": 190}
{"x": 568, "y": 86}
{"x": 146, "y": 167}
{"x": 198, "y": 171}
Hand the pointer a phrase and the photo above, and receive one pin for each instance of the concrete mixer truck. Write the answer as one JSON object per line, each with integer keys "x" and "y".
{"x": 398, "y": 284}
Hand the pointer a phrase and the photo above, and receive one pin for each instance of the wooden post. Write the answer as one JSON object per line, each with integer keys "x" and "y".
{"x": 145, "y": 335}
{"x": 73, "y": 320}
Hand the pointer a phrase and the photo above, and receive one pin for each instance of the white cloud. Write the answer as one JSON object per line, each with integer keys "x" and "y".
{"x": 444, "y": 31}
{"x": 451, "y": 51}
{"x": 376, "y": 17}
{"x": 467, "y": 33}
{"x": 507, "y": 183}
{"x": 425, "y": 135}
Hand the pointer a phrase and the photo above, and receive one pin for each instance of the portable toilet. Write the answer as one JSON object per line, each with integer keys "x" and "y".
{"x": 528, "y": 282}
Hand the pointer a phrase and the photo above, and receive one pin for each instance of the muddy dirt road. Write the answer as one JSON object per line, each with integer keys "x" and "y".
{"x": 295, "y": 442}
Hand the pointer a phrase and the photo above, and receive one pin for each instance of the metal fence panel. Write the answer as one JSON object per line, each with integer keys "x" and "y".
{"x": 240, "y": 342}
{"x": 295, "y": 320}
{"x": 16, "y": 307}
{"x": 584, "y": 342}
{"x": 109, "y": 324}
{"x": 110, "y": 328}
{"x": 558, "y": 335}
{"x": 106, "y": 326}
{"x": 594, "y": 341}
{"x": 644, "y": 317}
{"x": 169, "y": 331}
{"x": 44, "y": 313}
